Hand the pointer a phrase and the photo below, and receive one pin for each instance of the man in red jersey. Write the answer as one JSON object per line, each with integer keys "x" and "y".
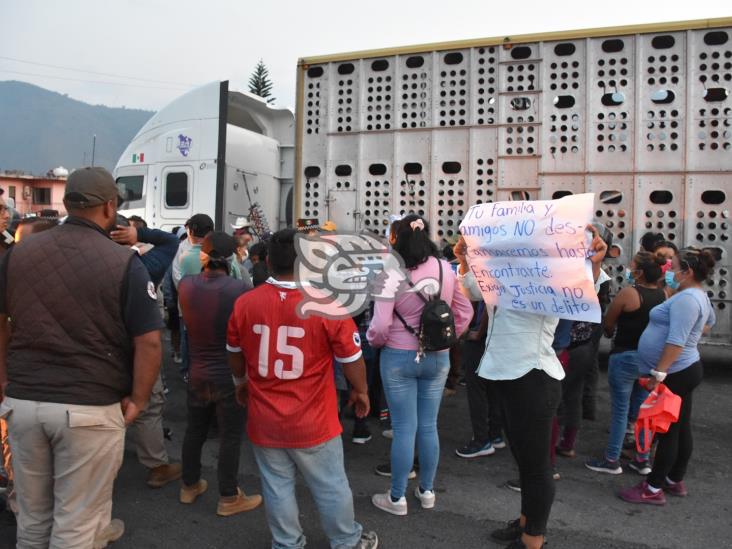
{"x": 283, "y": 369}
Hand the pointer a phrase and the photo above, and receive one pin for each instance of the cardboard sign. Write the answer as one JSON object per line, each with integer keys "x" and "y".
{"x": 530, "y": 256}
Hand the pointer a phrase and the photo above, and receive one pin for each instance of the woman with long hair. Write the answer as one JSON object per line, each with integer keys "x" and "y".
{"x": 413, "y": 381}
{"x": 520, "y": 358}
{"x": 627, "y": 317}
{"x": 669, "y": 354}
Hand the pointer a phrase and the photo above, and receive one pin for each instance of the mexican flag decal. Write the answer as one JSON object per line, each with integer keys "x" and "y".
{"x": 138, "y": 158}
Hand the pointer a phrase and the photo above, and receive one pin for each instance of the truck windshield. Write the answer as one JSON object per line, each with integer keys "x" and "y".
{"x": 131, "y": 189}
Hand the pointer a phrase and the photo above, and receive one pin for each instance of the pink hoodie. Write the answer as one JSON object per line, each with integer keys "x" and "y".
{"x": 387, "y": 330}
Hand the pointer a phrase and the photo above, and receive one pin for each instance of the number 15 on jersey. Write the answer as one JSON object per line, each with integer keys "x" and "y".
{"x": 283, "y": 348}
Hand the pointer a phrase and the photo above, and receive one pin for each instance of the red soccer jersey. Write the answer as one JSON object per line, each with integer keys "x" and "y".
{"x": 289, "y": 361}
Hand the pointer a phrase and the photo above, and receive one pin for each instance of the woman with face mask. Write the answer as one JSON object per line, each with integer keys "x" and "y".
{"x": 668, "y": 353}
{"x": 627, "y": 317}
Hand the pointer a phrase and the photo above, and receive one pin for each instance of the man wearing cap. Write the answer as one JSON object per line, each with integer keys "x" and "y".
{"x": 206, "y": 301}
{"x": 77, "y": 367}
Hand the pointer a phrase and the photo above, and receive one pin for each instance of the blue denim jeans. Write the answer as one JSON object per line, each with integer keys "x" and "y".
{"x": 626, "y": 397}
{"x": 324, "y": 473}
{"x": 413, "y": 391}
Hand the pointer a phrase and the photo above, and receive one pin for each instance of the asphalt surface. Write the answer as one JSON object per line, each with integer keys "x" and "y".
{"x": 471, "y": 499}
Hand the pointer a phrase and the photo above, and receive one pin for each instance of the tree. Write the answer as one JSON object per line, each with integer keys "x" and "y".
{"x": 260, "y": 84}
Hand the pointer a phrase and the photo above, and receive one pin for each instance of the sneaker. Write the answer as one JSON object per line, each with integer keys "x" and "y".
{"x": 388, "y": 433}
{"x": 369, "y": 540}
{"x": 384, "y": 470}
{"x": 555, "y": 474}
{"x": 188, "y": 494}
{"x": 498, "y": 443}
{"x": 110, "y": 533}
{"x": 177, "y": 359}
{"x": 604, "y": 465}
{"x": 426, "y": 498}
{"x": 163, "y": 474}
{"x": 361, "y": 434}
{"x": 474, "y": 449}
{"x": 385, "y": 503}
{"x": 677, "y": 489}
{"x": 641, "y": 493}
{"x": 640, "y": 467}
{"x": 512, "y": 531}
{"x": 566, "y": 452}
{"x": 514, "y": 484}
{"x": 231, "y": 505}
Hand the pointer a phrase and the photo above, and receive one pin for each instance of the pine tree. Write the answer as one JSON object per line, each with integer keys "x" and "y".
{"x": 260, "y": 84}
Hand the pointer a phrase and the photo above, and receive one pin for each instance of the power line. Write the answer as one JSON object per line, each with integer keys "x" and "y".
{"x": 93, "y": 72}
{"x": 92, "y": 81}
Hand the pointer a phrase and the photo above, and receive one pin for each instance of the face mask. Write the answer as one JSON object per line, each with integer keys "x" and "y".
{"x": 629, "y": 276}
{"x": 671, "y": 282}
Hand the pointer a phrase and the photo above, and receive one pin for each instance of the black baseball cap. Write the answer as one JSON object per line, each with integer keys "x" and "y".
{"x": 91, "y": 186}
{"x": 200, "y": 225}
{"x": 218, "y": 244}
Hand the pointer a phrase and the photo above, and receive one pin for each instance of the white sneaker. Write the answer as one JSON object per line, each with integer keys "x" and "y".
{"x": 426, "y": 498}
{"x": 384, "y": 502}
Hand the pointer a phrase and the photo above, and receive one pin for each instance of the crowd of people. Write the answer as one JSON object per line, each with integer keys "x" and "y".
{"x": 81, "y": 355}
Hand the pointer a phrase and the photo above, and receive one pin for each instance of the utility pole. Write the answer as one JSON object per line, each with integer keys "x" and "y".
{"x": 94, "y": 148}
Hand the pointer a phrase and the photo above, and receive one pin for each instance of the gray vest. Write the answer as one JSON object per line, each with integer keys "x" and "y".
{"x": 65, "y": 297}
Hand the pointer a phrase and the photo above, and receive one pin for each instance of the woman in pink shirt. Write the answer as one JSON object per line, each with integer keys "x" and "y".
{"x": 414, "y": 387}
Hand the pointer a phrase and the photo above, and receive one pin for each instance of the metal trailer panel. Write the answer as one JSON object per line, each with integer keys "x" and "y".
{"x": 641, "y": 116}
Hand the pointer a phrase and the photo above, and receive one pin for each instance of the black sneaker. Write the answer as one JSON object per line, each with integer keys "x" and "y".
{"x": 514, "y": 484}
{"x": 475, "y": 448}
{"x": 640, "y": 467}
{"x": 384, "y": 470}
{"x": 511, "y": 532}
{"x": 361, "y": 433}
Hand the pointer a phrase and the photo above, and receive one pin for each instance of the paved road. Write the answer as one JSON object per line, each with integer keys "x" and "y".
{"x": 470, "y": 496}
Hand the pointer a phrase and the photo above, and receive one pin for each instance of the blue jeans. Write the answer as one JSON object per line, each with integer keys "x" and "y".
{"x": 626, "y": 397}
{"x": 413, "y": 391}
{"x": 322, "y": 468}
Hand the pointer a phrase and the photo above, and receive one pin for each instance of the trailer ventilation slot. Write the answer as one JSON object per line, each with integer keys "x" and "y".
{"x": 613, "y": 46}
{"x": 377, "y": 169}
{"x": 415, "y": 61}
{"x": 713, "y": 197}
{"x": 663, "y": 42}
{"x": 315, "y": 72}
{"x": 661, "y": 197}
{"x": 564, "y": 49}
{"x": 521, "y": 52}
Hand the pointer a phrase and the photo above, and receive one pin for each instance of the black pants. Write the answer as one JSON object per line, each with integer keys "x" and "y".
{"x": 529, "y": 404}
{"x": 486, "y": 417}
{"x": 581, "y": 359}
{"x": 675, "y": 447}
{"x": 204, "y": 402}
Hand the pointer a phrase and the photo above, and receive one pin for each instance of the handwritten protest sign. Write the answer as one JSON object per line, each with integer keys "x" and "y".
{"x": 530, "y": 256}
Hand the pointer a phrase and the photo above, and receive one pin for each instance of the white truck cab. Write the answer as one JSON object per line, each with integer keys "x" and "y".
{"x": 214, "y": 151}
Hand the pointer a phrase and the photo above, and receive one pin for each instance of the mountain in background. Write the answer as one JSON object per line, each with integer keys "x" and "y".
{"x": 41, "y": 129}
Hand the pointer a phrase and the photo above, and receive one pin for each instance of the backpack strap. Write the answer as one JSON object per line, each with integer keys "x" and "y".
{"x": 401, "y": 318}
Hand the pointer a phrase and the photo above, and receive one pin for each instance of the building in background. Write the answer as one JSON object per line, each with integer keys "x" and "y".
{"x": 35, "y": 194}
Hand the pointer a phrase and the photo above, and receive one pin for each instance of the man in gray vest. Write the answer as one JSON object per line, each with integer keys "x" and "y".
{"x": 76, "y": 367}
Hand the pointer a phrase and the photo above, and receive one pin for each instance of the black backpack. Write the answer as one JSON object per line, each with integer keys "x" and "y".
{"x": 436, "y": 323}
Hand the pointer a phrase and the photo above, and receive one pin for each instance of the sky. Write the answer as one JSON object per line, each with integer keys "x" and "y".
{"x": 145, "y": 53}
